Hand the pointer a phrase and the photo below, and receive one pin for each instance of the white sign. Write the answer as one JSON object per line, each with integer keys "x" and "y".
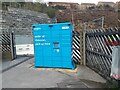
{"x": 42, "y": 44}
{"x": 65, "y": 27}
{"x": 39, "y": 36}
{"x": 36, "y": 29}
{"x": 40, "y": 40}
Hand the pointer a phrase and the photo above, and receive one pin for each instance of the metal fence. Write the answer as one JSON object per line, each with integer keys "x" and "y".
{"x": 7, "y": 45}
{"x": 99, "y": 44}
{"x": 76, "y": 47}
{"x": 5, "y": 42}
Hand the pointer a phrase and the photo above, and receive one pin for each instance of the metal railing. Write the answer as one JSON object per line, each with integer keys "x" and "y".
{"x": 7, "y": 45}
{"x": 99, "y": 44}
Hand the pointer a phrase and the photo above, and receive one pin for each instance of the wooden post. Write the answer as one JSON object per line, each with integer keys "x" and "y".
{"x": 84, "y": 47}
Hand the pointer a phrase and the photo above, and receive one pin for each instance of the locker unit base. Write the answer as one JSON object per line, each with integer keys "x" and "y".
{"x": 72, "y": 66}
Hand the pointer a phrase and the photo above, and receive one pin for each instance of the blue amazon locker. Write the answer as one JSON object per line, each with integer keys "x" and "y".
{"x": 53, "y": 45}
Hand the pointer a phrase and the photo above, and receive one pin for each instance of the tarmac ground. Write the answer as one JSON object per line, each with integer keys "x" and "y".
{"x": 25, "y": 75}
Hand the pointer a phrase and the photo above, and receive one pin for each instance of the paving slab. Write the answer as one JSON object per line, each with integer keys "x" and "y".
{"x": 86, "y": 73}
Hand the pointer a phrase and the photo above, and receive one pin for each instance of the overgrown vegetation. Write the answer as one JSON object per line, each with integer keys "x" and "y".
{"x": 39, "y": 7}
{"x": 79, "y": 17}
{"x": 62, "y": 14}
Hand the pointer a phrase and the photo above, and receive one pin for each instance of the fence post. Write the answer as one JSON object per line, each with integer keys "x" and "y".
{"x": 81, "y": 46}
{"x": 84, "y": 47}
{"x": 12, "y": 43}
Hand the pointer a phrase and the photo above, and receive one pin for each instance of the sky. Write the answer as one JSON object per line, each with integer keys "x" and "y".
{"x": 81, "y": 1}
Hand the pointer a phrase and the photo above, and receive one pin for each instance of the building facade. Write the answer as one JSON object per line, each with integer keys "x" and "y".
{"x": 68, "y": 5}
{"x": 85, "y": 6}
{"x": 117, "y": 6}
{"x": 112, "y": 4}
